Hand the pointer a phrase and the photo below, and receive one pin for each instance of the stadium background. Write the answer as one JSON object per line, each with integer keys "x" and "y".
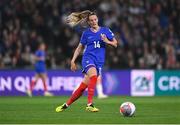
{"x": 146, "y": 62}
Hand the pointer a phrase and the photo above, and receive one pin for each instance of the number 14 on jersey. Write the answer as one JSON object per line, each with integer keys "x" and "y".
{"x": 97, "y": 44}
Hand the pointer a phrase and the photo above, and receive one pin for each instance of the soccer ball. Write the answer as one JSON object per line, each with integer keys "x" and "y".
{"x": 127, "y": 109}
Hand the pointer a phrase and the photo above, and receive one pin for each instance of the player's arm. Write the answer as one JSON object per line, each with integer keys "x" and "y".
{"x": 77, "y": 52}
{"x": 112, "y": 43}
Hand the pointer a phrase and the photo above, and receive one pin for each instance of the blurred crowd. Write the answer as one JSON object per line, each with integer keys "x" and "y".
{"x": 148, "y": 32}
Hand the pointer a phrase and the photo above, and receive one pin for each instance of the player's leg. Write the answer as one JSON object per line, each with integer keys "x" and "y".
{"x": 79, "y": 91}
{"x": 44, "y": 78}
{"x": 90, "y": 79}
{"x": 76, "y": 94}
{"x": 92, "y": 74}
{"x": 99, "y": 88}
{"x": 32, "y": 84}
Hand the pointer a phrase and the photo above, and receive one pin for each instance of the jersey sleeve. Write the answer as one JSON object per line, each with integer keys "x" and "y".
{"x": 83, "y": 39}
{"x": 109, "y": 34}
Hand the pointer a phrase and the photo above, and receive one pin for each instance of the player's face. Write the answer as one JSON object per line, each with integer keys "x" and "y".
{"x": 42, "y": 46}
{"x": 93, "y": 21}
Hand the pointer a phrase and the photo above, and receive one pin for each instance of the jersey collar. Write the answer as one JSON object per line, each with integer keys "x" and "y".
{"x": 96, "y": 31}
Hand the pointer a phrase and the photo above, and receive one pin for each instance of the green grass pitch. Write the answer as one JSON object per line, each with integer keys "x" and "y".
{"x": 160, "y": 109}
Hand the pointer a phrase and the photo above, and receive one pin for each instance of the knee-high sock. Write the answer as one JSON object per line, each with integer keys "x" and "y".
{"x": 44, "y": 84}
{"x": 91, "y": 88}
{"x": 32, "y": 84}
{"x": 99, "y": 89}
{"x": 77, "y": 93}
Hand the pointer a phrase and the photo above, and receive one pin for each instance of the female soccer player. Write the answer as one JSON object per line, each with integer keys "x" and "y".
{"x": 40, "y": 68}
{"x": 74, "y": 19}
{"x": 93, "y": 41}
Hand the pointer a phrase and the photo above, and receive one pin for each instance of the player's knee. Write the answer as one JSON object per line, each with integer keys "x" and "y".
{"x": 92, "y": 72}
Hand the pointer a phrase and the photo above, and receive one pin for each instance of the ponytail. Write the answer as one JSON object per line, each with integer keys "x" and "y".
{"x": 78, "y": 17}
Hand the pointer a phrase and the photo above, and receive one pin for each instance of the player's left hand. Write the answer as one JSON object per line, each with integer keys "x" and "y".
{"x": 73, "y": 66}
{"x": 104, "y": 38}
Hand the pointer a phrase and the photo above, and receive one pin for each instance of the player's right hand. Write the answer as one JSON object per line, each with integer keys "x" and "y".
{"x": 73, "y": 66}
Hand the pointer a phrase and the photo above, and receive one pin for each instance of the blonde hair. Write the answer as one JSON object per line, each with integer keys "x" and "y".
{"x": 78, "y": 17}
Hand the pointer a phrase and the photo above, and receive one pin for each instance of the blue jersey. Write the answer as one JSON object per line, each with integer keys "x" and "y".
{"x": 40, "y": 65}
{"x": 94, "y": 46}
{"x": 94, "y": 53}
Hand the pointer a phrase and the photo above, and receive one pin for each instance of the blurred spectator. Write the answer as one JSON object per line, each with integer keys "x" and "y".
{"x": 148, "y": 32}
